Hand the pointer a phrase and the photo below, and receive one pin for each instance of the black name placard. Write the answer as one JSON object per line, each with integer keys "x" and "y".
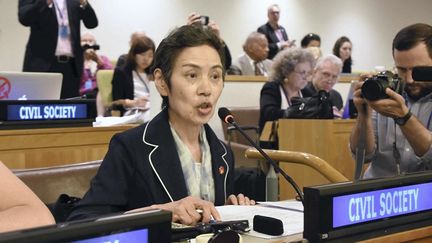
{"x": 356, "y": 211}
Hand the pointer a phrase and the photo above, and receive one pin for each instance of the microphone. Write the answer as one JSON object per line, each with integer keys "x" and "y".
{"x": 422, "y": 73}
{"x": 226, "y": 116}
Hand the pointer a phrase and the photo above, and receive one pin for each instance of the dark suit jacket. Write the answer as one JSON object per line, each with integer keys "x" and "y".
{"x": 335, "y": 97}
{"x": 272, "y": 39}
{"x": 42, "y": 20}
{"x": 142, "y": 168}
{"x": 270, "y": 103}
{"x": 122, "y": 83}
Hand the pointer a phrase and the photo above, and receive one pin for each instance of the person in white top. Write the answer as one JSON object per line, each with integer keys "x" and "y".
{"x": 130, "y": 84}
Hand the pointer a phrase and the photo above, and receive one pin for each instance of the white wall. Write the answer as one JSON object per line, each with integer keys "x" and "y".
{"x": 371, "y": 24}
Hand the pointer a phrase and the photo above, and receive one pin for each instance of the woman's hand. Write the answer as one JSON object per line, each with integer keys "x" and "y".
{"x": 184, "y": 211}
{"x": 240, "y": 199}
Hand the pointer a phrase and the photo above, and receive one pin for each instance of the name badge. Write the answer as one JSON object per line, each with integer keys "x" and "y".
{"x": 63, "y": 31}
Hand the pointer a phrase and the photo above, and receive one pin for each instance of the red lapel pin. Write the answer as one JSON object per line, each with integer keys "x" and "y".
{"x": 221, "y": 170}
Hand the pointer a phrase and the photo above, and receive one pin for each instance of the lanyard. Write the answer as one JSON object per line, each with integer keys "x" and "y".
{"x": 60, "y": 12}
{"x": 143, "y": 81}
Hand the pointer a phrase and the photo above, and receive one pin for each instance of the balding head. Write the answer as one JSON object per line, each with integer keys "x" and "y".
{"x": 256, "y": 46}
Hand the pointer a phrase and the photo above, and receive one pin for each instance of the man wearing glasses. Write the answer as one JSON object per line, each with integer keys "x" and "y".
{"x": 325, "y": 76}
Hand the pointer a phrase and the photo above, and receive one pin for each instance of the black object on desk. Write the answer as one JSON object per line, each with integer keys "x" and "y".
{"x": 189, "y": 232}
{"x": 145, "y": 227}
{"x": 267, "y": 225}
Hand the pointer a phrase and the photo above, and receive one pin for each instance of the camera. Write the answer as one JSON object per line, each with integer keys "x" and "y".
{"x": 374, "y": 87}
{"x": 204, "y": 20}
{"x": 87, "y": 46}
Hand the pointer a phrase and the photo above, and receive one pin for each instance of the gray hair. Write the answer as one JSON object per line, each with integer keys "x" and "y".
{"x": 331, "y": 59}
{"x": 285, "y": 62}
{"x": 271, "y": 6}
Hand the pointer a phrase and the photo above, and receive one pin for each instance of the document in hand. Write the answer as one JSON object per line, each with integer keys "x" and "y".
{"x": 290, "y": 212}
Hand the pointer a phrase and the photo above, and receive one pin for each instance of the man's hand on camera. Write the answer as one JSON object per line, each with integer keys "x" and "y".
{"x": 360, "y": 103}
{"x": 193, "y": 18}
{"x": 394, "y": 106}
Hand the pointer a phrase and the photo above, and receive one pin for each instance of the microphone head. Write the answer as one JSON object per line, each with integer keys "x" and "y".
{"x": 225, "y": 115}
{"x": 422, "y": 73}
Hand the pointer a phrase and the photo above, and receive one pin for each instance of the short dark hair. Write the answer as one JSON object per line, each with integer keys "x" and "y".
{"x": 179, "y": 39}
{"x": 308, "y": 38}
{"x": 411, "y": 36}
{"x": 139, "y": 45}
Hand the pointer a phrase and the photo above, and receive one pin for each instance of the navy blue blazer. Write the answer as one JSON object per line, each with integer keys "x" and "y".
{"x": 272, "y": 38}
{"x": 142, "y": 168}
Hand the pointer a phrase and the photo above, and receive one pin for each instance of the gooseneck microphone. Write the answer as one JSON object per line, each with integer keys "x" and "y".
{"x": 226, "y": 116}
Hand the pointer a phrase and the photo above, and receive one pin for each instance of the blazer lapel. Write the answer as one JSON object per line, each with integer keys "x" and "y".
{"x": 163, "y": 157}
{"x": 219, "y": 165}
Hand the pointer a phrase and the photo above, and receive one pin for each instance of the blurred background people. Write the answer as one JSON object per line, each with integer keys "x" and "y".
{"x": 254, "y": 61}
{"x": 55, "y": 34}
{"x": 291, "y": 71}
{"x": 275, "y": 33}
{"x": 325, "y": 76}
{"x": 196, "y": 18}
{"x": 342, "y": 49}
{"x": 93, "y": 62}
{"x": 130, "y": 84}
{"x": 312, "y": 42}
{"x": 20, "y": 208}
{"x": 135, "y": 35}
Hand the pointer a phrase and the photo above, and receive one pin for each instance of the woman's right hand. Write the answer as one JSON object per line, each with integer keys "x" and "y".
{"x": 184, "y": 211}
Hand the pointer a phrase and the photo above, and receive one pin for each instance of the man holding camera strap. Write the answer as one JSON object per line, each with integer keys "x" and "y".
{"x": 397, "y": 128}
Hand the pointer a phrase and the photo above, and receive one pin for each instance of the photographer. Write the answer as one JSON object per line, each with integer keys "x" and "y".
{"x": 195, "y": 18}
{"x": 92, "y": 63}
{"x": 397, "y": 127}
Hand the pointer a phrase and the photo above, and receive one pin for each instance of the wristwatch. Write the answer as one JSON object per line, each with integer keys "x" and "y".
{"x": 402, "y": 120}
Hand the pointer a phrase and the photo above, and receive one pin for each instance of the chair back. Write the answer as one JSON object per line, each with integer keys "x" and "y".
{"x": 104, "y": 78}
{"x": 49, "y": 182}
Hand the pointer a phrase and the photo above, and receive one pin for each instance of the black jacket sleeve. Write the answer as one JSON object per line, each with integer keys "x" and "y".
{"x": 270, "y": 103}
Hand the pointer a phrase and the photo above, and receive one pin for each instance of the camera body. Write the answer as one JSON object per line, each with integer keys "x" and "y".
{"x": 204, "y": 20}
{"x": 374, "y": 87}
{"x": 87, "y": 46}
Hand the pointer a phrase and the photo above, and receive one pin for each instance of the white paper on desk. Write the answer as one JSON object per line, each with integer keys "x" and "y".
{"x": 289, "y": 204}
{"x": 115, "y": 121}
{"x": 292, "y": 220}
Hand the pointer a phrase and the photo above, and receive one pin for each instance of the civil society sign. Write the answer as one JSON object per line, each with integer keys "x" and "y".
{"x": 368, "y": 206}
{"x": 46, "y": 112}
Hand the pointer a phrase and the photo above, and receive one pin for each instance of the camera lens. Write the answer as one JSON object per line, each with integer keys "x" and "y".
{"x": 374, "y": 89}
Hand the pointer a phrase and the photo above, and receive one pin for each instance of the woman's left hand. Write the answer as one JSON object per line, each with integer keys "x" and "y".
{"x": 240, "y": 199}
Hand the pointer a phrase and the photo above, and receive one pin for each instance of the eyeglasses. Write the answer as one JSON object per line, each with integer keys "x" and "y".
{"x": 304, "y": 74}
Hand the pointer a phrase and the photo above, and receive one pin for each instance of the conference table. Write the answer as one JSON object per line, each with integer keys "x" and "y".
{"x": 43, "y": 147}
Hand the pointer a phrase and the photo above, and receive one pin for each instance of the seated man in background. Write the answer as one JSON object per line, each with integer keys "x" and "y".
{"x": 254, "y": 61}
{"x": 175, "y": 161}
{"x": 20, "y": 208}
{"x": 325, "y": 76}
{"x": 93, "y": 62}
{"x": 397, "y": 128}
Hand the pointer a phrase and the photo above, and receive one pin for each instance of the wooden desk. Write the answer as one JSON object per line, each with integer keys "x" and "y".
{"x": 327, "y": 139}
{"x": 30, "y": 148}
